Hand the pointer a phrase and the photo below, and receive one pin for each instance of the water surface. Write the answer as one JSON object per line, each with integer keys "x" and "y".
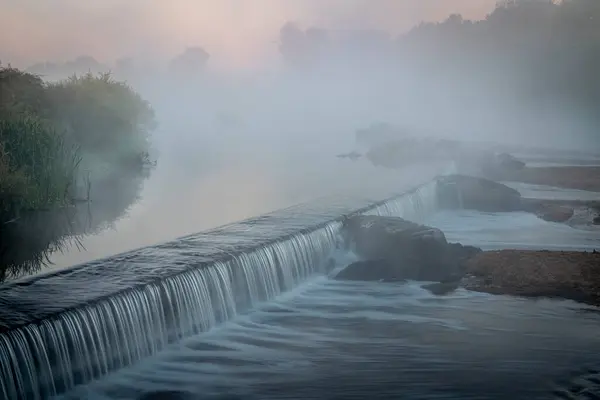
{"x": 334, "y": 340}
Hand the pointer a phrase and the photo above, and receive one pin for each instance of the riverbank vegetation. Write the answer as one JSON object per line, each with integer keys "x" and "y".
{"x": 527, "y": 61}
{"x": 57, "y": 138}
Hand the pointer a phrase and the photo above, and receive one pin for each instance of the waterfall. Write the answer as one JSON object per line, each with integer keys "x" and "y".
{"x": 414, "y": 206}
{"x": 52, "y": 354}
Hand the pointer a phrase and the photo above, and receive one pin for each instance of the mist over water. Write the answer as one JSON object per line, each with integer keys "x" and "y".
{"x": 255, "y": 127}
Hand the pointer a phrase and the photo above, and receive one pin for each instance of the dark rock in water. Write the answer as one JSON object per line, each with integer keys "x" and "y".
{"x": 596, "y": 220}
{"x": 400, "y": 249}
{"x": 442, "y": 288}
{"x": 506, "y": 161}
{"x": 469, "y": 192}
{"x": 370, "y": 270}
{"x": 494, "y": 165}
{"x": 555, "y": 213}
{"x": 167, "y": 395}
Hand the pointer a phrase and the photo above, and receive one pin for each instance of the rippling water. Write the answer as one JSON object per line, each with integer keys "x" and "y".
{"x": 334, "y": 340}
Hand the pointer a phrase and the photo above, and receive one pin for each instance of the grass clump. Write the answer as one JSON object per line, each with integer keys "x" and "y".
{"x": 37, "y": 166}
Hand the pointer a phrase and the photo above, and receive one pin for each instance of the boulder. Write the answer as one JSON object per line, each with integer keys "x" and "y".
{"x": 494, "y": 165}
{"x": 555, "y": 213}
{"x": 370, "y": 270}
{"x": 442, "y": 288}
{"x": 469, "y": 192}
{"x": 596, "y": 220}
{"x": 397, "y": 249}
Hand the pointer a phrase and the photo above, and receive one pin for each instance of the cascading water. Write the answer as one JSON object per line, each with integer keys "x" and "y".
{"x": 53, "y": 354}
{"x": 414, "y": 206}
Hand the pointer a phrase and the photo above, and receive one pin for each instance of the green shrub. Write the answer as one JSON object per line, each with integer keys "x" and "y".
{"x": 102, "y": 116}
{"x": 49, "y": 130}
{"x": 21, "y": 92}
{"x": 37, "y": 166}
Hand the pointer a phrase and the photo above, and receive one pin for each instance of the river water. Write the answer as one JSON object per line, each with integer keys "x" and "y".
{"x": 188, "y": 194}
{"x": 344, "y": 340}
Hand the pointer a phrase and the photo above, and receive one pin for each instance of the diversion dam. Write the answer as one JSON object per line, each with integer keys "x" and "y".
{"x": 70, "y": 327}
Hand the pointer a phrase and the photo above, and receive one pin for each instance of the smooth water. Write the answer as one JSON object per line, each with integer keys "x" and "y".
{"x": 188, "y": 193}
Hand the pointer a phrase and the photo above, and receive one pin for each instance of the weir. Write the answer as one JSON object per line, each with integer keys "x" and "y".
{"x": 72, "y": 326}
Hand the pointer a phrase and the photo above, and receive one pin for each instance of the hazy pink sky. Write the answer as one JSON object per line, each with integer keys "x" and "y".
{"x": 237, "y": 33}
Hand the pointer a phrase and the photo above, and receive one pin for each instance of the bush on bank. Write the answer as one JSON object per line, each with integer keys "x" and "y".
{"x": 51, "y": 134}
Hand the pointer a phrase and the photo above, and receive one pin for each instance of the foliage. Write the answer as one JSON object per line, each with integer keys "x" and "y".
{"x": 537, "y": 51}
{"x": 48, "y": 130}
{"x": 37, "y": 166}
{"x": 102, "y": 115}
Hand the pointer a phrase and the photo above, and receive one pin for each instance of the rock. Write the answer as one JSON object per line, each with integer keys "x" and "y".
{"x": 442, "y": 288}
{"x": 561, "y": 274}
{"x": 371, "y": 270}
{"x": 502, "y": 163}
{"x": 398, "y": 249}
{"x": 555, "y": 213}
{"x": 469, "y": 192}
{"x": 507, "y": 161}
{"x": 596, "y": 220}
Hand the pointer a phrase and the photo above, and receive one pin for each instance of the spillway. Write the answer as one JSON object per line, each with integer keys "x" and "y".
{"x": 67, "y": 328}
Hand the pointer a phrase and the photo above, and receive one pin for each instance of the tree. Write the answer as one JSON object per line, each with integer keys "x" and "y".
{"x": 191, "y": 62}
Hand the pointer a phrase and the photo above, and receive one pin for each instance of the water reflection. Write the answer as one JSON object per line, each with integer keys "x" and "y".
{"x": 28, "y": 244}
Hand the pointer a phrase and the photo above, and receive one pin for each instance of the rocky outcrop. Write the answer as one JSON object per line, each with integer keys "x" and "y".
{"x": 555, "y": 213}
{"x": 575, "y": 213}
{"x": 496, "y": 165}
{"x": 561, "y": 274}
{"x": 396, "y": 249}
{"x": 371, "y": 270}
{"x": 469, "y": 192}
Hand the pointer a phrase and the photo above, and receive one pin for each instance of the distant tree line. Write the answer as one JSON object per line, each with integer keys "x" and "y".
{"x": 541, "y": 51}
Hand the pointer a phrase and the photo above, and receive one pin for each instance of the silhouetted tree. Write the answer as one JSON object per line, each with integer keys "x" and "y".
{"x": 191, "y": 62}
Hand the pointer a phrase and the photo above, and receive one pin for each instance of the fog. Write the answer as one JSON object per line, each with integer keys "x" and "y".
{"x": 237, "y": 33}
{"x": 257, "y": 126}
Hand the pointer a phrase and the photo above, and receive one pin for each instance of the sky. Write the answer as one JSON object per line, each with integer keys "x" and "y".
{"x": 237, "y": 33}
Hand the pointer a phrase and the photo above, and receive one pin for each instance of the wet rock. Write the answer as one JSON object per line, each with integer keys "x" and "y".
{"x": 494, "y": 165}
{"x": 398, "y": 249}
{"x": 509, "y": 162}
{"x": 370, "y": 270}
{"x": 555, "y": 213}
{"x": 596, "y": 220}
{"x": 469, "y": 192}
{"x": 442, "y": 288}
{"x": 561, "y": 274}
